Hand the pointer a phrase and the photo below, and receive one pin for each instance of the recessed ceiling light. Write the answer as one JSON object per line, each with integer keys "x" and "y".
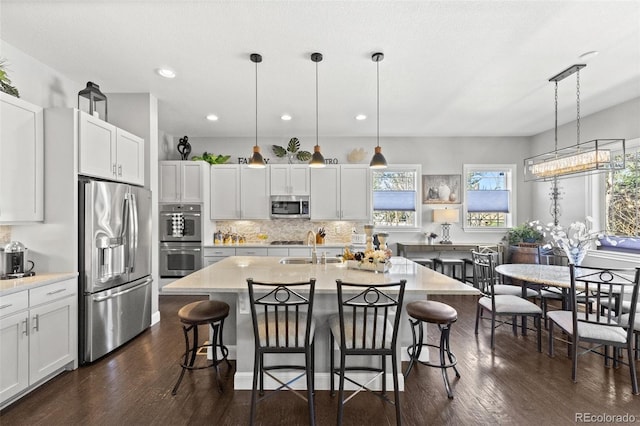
{"x": 589, "y": 55}
{"x": 285, "y": 117}
{"x": 212, "y": 117}
{"x": 166, "y": 72}
{"x": 361, "y": 117}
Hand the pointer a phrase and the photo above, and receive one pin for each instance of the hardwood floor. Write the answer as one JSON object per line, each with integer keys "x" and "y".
{"x": 513, "y": 385}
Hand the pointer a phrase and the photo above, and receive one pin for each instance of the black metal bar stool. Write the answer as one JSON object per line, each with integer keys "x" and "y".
{"x": 428, "y": 311}
{"x": 212, "y": 312}
{"x": 452, "y": 264}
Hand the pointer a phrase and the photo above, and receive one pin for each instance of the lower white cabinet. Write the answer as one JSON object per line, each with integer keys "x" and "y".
{"x": 38, "y": 336}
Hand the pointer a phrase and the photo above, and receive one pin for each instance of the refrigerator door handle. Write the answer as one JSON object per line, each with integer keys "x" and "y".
{"x": 120, "y": 293}
{"x": 133, "y": 231}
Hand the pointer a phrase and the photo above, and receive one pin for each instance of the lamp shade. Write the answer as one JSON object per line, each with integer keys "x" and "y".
{"x": 446, "y": 215}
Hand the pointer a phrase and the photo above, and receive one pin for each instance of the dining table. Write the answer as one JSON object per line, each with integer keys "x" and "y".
{"x": 546, "y": 275}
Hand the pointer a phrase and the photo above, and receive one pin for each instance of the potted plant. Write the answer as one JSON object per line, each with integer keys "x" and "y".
{"x": 524, "y": 241}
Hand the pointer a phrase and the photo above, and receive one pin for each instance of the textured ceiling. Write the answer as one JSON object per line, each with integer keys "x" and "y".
{"x": 451, "y": 67}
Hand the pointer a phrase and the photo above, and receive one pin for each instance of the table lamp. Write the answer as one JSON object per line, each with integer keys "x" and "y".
{"x": 446, "y": 217}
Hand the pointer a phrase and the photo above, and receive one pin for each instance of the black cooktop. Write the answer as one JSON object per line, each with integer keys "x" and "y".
{"x": 283, "y": 243}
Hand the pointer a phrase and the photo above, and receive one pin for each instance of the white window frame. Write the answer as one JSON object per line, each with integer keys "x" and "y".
{"x": 511, "y": 170}
{"x": 596, "y": 208}
{"x": 417, "y": 169}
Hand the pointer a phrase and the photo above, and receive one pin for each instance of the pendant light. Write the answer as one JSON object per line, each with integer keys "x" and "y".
{"x": 378, "y": 161}
{"x": 256, "y": 161}
{"x": 317, "y": 160}
{"x": 598, "y": 155}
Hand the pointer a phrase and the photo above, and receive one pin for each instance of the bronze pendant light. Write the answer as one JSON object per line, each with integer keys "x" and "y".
{"x": 256, "y": 161}
{"x": 317, "y": 160}
{"x": 378, "y": 161}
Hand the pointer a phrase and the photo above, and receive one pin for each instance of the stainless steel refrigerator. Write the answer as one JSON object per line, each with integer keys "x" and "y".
{"x": 114, "y": 265}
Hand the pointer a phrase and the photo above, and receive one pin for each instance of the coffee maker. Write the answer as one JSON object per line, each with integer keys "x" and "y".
{"x": 14, "y": 261}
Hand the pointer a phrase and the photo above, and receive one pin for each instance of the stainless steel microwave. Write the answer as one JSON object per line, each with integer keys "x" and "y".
{"x": 290, "y": 207}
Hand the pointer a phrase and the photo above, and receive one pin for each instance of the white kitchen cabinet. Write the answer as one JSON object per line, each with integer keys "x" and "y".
{"x": 212, "y": 255}
{"x": 341, "y": 193}
{"x": 254, "y": 193}
{"x": 251, "y": 251}
{"x": 183, "y": 181}
{"x": 14, "y": 355}
{"x": 108, "y": 152}
{"x": 40, "y": 339}
{"x": 324, "y": 199}
{"x": 225, "y": 192}
{"x": 21, "y": 161}
{"x": 239, "y": 192}
{"x": 355, "y": 192}
{"x": 289, "y": 179}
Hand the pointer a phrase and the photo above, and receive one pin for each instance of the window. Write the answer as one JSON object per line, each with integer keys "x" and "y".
{"x": 396, "y": 198}
{"x": 489, "y": 201}
{"x": 622, "y": 204}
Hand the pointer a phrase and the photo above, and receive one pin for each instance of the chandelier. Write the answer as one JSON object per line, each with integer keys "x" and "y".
{"x": 598, "y": 155}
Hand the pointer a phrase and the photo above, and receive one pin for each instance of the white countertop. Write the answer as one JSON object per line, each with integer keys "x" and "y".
{"x": 268, "y": 245}
{"x": 20, "y": 284}
{"x": 230, "y": 276}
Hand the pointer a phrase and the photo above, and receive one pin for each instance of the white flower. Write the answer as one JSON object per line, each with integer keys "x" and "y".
{"x": 578, "y": 235}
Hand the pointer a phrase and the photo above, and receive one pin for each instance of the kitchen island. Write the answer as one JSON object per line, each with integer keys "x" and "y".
{"x": 227, "y": 280}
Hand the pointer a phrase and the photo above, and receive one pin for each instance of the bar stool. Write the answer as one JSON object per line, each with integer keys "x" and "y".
{"x": 212, "y": 312}
{"x": 452, "y": 264}
{"x": 431, "y": 312}
{"x": 428, "y": 263}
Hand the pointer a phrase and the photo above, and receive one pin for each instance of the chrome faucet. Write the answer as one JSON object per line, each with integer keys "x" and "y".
{"x": 314, "y": 254}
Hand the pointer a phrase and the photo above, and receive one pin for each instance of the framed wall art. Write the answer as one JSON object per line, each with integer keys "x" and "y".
{"x": 441, "y": 189}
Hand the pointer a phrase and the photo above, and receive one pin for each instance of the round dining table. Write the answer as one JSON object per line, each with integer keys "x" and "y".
{"x": 553, "y": 275}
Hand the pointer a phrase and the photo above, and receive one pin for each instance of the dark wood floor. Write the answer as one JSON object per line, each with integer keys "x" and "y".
{"x": 513, "y": 385}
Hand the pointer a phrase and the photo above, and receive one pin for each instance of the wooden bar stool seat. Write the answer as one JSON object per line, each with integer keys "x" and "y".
{"x": 212, "y": 312}
{"x": 431, "y": 312}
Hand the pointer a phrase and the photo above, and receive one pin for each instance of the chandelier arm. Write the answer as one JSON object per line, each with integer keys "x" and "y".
{"x": 578, "y": 107}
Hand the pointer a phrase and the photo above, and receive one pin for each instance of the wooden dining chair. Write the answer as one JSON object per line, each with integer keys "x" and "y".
{"x": 599, "y": 327}
{"x": 282, "y": 318}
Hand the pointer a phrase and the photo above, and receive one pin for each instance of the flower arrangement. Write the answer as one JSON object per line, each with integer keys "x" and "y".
{"x": 369, "y": 260}
{"x": 574, "y": 240}
{"x": 368, "y": 256}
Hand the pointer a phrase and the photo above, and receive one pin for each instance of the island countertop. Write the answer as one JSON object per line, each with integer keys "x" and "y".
{"x": 230, "y": 276}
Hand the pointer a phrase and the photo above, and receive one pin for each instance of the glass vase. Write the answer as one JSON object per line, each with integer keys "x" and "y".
{"x": 575, "y": 254}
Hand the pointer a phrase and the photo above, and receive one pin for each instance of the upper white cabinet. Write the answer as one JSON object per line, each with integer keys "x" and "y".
{"x": 355, "y": 192}
{"x": 183, "y": 181}
{"x": 239, "y": 192}
{"x": 254, "y": 193}
{"x": 21, "y": 160}
{"x": 225, "y": 192}
{"x": 341, "y": 193}
{"x": 108, "y": 152}
{"x": 289, "y": 179}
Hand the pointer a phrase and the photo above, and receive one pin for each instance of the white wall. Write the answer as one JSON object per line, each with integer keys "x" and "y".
{"x": 38, "y": 83}
{"x": 436, "y": 155}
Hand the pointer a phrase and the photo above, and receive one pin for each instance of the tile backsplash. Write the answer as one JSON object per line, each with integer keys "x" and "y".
{"x": 337, "y": 232}
{"x": 5, "y": 234}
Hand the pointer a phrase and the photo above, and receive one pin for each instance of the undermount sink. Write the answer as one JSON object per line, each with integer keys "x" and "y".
{"x": 306, "y": 260}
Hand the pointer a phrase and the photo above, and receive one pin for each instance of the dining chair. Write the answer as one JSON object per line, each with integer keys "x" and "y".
{"x": 600, "y": 328}
{"x": 282, "y": 318}
{"x": 366, "y": 325}
{"x": 501, "y": 304}
{"x": 481, "y": 283}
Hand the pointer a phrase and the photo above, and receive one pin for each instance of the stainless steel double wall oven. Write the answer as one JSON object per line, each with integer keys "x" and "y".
{"x": 180, "y": 239}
